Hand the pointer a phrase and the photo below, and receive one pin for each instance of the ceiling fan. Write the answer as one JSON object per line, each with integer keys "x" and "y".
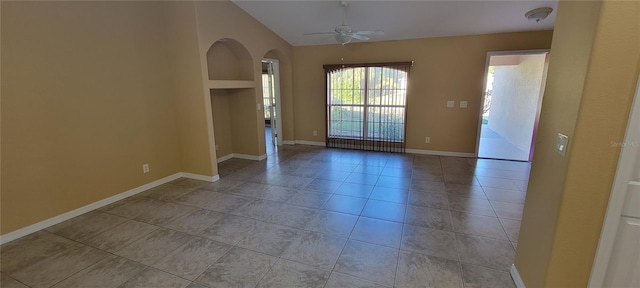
{"x": 344, "y": 34}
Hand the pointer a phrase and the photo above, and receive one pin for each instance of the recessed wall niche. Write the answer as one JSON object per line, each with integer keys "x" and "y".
{"x": 228, "y": 59}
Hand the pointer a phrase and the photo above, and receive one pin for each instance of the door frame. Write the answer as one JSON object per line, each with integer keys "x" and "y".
{"x": 484, "y": 88}
{"x": 617, "y": 198}
{"x": 278, "y": 103}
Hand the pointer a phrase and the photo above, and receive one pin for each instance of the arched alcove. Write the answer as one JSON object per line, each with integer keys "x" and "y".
{"x": 233, "y": 106}
{"x": 228, "y": 59}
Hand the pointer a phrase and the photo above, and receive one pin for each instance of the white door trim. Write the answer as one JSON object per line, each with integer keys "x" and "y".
{"x": 276, "y": 81}
{"x": 484, "y": 85}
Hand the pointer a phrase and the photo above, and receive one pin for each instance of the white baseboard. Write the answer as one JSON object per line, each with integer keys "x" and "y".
{"x": 213, "y": 178}
{"x": 224, "y": 158}
{"x": 313, "y": 143}
{"x": 304, "y": 142}
{"x": 241, "y": 156}
{"x": 516, "y": 276}
{"x": 440, "y": 153}
{"x": 250, "y": 157}
{"x": 95, "y": 205}
{"x": 413, "y": 151}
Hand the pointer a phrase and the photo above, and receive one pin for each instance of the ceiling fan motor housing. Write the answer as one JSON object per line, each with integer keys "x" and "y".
{"x": 344, "y": 29}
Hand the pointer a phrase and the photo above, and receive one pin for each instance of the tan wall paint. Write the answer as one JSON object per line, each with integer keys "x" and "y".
{"x": 183, "y": 42}
{"x": 229, "y": 60}
{"x": 92, "y": 90}
{"x": 448, "y": 68}
{"x": 223, "y": 19}
{"x": 87, "y": 99}
{"x": 595, "y": 60}
{"x": 221, "y": 121}
{"x": 245, "y": 137}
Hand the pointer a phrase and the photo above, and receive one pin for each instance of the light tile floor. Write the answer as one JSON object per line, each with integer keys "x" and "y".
{"x": 495, "y": 146}
{"x": 305, "y": 217}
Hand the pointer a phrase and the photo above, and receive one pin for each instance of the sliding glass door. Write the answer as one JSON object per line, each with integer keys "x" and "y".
{"x": 366, "y": 106}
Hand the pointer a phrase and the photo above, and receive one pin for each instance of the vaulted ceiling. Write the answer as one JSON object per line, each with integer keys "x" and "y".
{"x": 398, "y": 19}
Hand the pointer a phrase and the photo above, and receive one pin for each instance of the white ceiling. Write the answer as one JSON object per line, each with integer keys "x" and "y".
{"x": 398, "y": 19}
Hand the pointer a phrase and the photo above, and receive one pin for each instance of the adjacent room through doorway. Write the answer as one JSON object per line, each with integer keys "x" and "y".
{"x": 271, "y": 97}
{"x": 512, "y": 101}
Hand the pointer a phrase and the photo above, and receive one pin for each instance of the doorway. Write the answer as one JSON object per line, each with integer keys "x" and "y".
{"x": 511, "y": 104}
{"x": 271, "y": 101}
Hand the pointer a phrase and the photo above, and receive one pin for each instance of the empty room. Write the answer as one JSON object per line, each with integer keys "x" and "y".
{"x": 319, "y": 143}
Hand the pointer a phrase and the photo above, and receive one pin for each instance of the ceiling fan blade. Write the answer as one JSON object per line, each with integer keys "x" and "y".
{"x": 371, "y": 32}
{"x": 320, "y": 33}
{"x": 359, "y": 37}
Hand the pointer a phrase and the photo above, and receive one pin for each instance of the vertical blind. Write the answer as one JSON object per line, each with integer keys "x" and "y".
{"x": 366, "y": 106}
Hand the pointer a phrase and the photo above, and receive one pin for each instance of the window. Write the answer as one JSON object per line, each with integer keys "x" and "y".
{"x": 366, "y": 106}
{"x": 267, "y": 96}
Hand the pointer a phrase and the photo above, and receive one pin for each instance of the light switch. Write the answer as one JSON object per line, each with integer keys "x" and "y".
{"x": 451, "y": 104}
{"x": 561, "y": 144}
{"x": 463, "y": 104}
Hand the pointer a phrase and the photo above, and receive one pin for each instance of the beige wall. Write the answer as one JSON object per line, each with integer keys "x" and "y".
{"x": 221, "y": 122}
{"x": 93, "y": 90}
{"x": 223, "y": 19}
{"x": 190, "y": 110}
{"x": 87, "y": 99}
{"x": 448, "y": 68}
{"x": 594, "y": 65}
{"x": 230, "y": 109}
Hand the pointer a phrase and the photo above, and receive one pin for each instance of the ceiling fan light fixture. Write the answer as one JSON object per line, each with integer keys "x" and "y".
{"x": 343, "y": 38}
{"x": 538, "y": 14}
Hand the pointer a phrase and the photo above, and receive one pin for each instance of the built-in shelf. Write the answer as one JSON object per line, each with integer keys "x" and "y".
{"x": 231, "y": 84}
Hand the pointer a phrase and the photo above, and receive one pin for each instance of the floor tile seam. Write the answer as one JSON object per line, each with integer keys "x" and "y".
{"x": 475, "y": 213}
{"x": 145, "y": 266}
{"x": 214, "y": 262}
{"x": 506, "y": 201}
{"x": 354, "y": 276}
{"x": 483, "y": 236}
{"x": 133, "y": 241}
{"x": 395, "y": 279}
{"x": 282, "y": 258}
{"x": 387, "y": 201}
{"x": 311, "y": 265}
{"x": 171, "y": 250}
{"x": 14, "y": 279}
{"x": 183, "y": 245}
{"x": 95, "y": 233}
{"x": 507, "y": 218}
{"x": 458, "y": 256}
{"x": 506, "y": 269}
{"x": 502, "y": 177}
{"x": 93, "y": 264}
{"x": 365, "y": 241}
{"x": 491, "y": 202}
{"x": 77, "y": 245}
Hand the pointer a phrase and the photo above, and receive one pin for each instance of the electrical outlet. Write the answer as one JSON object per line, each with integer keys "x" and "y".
{"x": 463, "y": 104}
{"x": 315, "y": 132}
{"x": 217, "y": 147}
{"x": 427, "y": 139}
{"x": 145, "y": 168}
